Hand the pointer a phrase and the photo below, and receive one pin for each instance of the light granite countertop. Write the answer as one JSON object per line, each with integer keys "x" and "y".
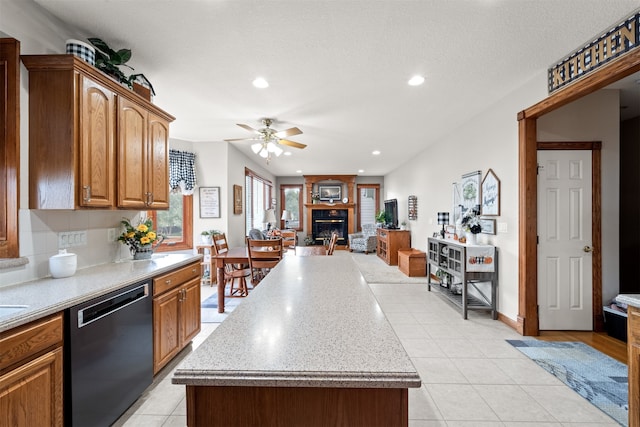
{"x": 47, "y": 296}
{"x": 629, "y": 299}
{"x": 312, "y": 322}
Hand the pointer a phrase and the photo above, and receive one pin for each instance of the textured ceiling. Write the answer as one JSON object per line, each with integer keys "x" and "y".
{"x": 337, "y": 69}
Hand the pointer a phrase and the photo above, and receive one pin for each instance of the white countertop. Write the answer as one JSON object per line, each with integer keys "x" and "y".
{"x": 630, "y": 299}
{"x": 48, "y": 296}
{"x": 312, "y": 322}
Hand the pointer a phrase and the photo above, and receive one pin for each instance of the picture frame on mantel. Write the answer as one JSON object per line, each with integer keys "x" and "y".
{"x": 237, "y": 199}
{"x": 490, "y": 195}
{"x": 209, "y": 202}
{"x": 330, "y": 192}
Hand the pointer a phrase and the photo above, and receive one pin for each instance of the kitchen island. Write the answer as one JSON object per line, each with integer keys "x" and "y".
{"x": 309, "y": 346}
{"x": 633, "y": 350}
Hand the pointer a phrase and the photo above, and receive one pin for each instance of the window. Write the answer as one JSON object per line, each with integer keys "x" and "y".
{"x": 291, "y": 201}
{"x": 175, "y": 224}
{"x": 368, "y": 203}
{"x": 259, "y": 194}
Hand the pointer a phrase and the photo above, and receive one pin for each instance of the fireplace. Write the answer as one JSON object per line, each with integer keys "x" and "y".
{"x": 324, "y": 222}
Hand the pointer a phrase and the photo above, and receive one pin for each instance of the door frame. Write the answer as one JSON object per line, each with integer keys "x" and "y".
{"x": 527, "y": 322}
{"x": 596, "y": 228}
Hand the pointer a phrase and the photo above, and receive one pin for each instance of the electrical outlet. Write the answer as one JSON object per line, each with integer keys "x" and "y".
{"x": 69, "y": 239}
{"x": 111, "y": 235}
{"x": 502, "y": 227}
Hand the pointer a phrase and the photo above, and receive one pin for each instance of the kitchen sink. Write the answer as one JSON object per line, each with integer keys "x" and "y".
{"x": 6, "y": 310}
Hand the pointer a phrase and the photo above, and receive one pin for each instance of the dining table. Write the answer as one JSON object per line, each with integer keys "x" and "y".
{"x": 238, "y": 255}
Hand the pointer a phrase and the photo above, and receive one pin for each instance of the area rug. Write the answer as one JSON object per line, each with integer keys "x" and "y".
{"x": 376, "y": 270}
{"x": 209, "y": 309}
{"x": 601, "y": 380}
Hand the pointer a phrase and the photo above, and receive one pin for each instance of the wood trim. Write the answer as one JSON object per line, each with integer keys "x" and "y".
{"x": 10, "y": 143}
{"x": 527, "y": 139}
{"x": 513, "y": 324}
{"x": 187, "y": 225}
{"x": 596, "y": 228}
{"x": 357, "y": 201}
{"x": 283, "y": 187}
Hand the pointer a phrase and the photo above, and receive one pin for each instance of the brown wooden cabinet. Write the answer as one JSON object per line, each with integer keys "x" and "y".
{"x": 389, "y": 241}
{"x": 143, "y": 163}
{"x": 633, "y": 347}
{"x": 176, "y": 312}
{"x": 92, "y": 142}
{"x": 31, "y": 374}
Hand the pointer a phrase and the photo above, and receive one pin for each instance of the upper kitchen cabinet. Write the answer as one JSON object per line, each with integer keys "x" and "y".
{"x": 143, "y": 158}
{"x": 92, "y": 142}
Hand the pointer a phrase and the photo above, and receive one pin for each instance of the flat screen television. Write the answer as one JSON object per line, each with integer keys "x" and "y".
{"x": 391, "y": 213}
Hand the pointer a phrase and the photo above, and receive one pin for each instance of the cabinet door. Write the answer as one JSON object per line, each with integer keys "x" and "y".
{"x": 132, "y": 155}
{"x": 633, "y": 348}
{"x": 158, "y": 170}
{"x": 31, "y": 395}
{"x": 166, "y": 328}
{"x": 96, "y": 145}
{"x": 190, "y": 310}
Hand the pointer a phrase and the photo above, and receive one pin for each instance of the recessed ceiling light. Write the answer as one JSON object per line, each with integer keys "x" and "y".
{"x": 298, "y": 171}
{"x": 360, "y": 170}
{"x": 287, "y": 153}
{"x": 416, "y": 80}
{"x": 375, "y": 152}
{"x": 260, "y": 83}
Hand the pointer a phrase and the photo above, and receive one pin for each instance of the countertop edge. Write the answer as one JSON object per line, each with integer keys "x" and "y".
{"x": 297, "y": 379}
{"x": 629, "y": 299}
{"x": 30, "y": 315}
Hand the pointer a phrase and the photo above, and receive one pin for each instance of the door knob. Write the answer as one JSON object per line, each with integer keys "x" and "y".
{"x": 587, "y": 249}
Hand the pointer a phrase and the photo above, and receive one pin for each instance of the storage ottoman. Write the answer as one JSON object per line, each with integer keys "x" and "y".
{"x": 412, "y": 262}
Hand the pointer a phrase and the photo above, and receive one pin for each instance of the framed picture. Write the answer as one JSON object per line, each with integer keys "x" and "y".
{"x": 209, "y": 202}
{"x": 490, "y": 195}
{"x": 330, "y": 192}
{"x": 457, "y": 202}
{"x": 237, "y": 200}
{"x": 470, "y": 190}
{"x": 488, "y": 226}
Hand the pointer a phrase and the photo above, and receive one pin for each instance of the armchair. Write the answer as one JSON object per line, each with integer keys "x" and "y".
{"x": 365, "y": 241}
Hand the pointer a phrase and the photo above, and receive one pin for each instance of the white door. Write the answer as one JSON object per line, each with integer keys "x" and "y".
{"x": 564, "y": 240}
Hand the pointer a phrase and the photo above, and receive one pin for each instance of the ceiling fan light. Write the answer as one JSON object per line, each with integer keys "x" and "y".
{"x": 416, "y": 80}
{"x": 263, "y": 153}
{"x": 277, "y": 150}
{"x": 271, "y": 147}
{"x": 256, "y": 147}
{"x": 260, "y": 83}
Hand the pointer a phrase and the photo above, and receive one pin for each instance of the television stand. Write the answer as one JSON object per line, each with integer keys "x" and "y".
{"x": 389, "y": 241}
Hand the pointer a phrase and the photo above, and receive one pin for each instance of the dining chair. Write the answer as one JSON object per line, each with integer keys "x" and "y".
{"x": 263, "y": 256}
{"x": 332, "y": 243}
{"x": 289, "y": 238}
{"x": 232, "y": 272}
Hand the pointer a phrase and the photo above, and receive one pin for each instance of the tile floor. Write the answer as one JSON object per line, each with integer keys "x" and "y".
{"x": 470, "y": 375}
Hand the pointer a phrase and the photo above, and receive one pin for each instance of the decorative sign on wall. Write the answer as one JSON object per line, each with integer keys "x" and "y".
{"x": 413, "y": 208}
{"x": 490, "y": 194}
{"x": 237, "y": 199}
{"x": 614, "y": 43}
{"x": 470, "y": 189}
{"x": 209, "y": 202}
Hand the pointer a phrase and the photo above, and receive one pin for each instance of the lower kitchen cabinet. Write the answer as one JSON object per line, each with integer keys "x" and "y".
{"x": 31, "y": 374}
{"x": 176, "y": 313}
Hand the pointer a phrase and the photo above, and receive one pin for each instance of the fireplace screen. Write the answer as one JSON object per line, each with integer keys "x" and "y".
{"x": 326, "y": 222}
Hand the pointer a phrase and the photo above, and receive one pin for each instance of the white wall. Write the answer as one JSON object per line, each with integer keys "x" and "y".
{"x": 596, "y": 117}
{"x": 490, "y": 140}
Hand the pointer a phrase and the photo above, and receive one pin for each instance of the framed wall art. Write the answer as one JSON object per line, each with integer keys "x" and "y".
{"x": 237, "y": 199}
{"x": 209, "y": 202}
{"x": 470, "y": 189}
{"x": 488, "y": 226}
{"x": 490, "y": 195}
{"x": 413, "y": 208}
{"x": 330, "y": 192}
{"x": 457, "y": 202}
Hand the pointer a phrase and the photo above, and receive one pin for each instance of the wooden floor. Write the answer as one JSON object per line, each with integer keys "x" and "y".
{"x": 599, "y": 340}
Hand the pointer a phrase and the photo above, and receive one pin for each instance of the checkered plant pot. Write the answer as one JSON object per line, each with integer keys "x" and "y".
{"x": 82, "y": 50}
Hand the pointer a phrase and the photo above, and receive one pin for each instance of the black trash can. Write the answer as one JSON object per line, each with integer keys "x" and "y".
{"x": 616, "y": 323}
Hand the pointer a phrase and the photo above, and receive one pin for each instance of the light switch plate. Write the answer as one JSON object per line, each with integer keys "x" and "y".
{"x": 502, "y": 227}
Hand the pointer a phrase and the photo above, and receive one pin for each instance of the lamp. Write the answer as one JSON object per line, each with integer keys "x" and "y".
{"x": 269, "y": 218}
{"x": 443, "y": 219}
{"x": 286, "y": 216}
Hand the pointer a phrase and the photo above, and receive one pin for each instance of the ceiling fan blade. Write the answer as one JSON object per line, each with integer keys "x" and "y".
{"x": 247, "y": 127}
{"x": 240, "y": 139}
{"x": 291, "y": 143}
{"x": 288, "y": 132}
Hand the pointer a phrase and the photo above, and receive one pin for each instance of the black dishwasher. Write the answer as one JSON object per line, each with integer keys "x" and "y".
{"x": 108, "y": 359}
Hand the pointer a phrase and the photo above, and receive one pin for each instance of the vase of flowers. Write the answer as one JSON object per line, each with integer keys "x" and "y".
{"x": 141, "y": 239}
{"x": 315, "y": 198}
{"x": 471, "y": 224}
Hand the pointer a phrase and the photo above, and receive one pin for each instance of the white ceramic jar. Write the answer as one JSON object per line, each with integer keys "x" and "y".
{"x": 63, "y": 265}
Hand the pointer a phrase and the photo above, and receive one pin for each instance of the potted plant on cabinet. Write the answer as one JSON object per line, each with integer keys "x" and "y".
{"x": 381, "y": 218}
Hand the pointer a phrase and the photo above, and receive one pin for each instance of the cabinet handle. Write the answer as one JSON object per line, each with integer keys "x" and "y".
{"x": 152, "y": 199}
{"x": 168, "y": 281}
{"x": 147, "y": 198}
{"x": 87, "y": 193}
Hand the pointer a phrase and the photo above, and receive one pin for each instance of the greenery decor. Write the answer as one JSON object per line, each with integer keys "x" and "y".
{"x": 381, "y": 217}
{"x": 471, "y": 221}
{"x": 109, "y": 62}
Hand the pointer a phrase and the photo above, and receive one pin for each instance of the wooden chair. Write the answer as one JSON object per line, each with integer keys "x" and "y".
{"x": 332, "y": 243}
{"x": 233, "y": 272}
{"x": 289, "y": 238}
{"x": 263, "y": 256}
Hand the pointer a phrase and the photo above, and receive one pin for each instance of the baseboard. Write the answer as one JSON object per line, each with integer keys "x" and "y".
{"x": 509, "y": 322}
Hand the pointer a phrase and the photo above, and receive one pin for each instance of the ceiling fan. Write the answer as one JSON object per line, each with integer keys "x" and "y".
{"x": 269, "y": 139}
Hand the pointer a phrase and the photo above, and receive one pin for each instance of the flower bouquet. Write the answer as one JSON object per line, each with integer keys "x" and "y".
{"x": 140, "y": 238}
{"x": 471, "y": 221}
